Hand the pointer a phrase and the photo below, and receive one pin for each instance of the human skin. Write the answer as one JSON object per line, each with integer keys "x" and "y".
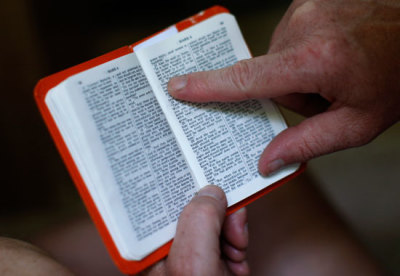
{"x": 20, "y": 258}
{"x": 335, "y": 61}
{"x": 206, "y": 241}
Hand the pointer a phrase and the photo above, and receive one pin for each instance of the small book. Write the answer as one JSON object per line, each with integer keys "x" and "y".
{"x": 137, "y": 156}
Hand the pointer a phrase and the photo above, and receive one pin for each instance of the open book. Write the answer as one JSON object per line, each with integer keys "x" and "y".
{"x": 137, "y": 155}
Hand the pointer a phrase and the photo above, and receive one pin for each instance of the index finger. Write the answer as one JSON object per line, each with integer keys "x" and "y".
{"x": 262, "y": 77}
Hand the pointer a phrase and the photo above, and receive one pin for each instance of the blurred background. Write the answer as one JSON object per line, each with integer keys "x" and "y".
{"x": 39, "y": 38}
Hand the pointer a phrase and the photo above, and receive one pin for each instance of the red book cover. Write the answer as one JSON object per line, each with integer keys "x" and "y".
{"x": 47, "y": 83}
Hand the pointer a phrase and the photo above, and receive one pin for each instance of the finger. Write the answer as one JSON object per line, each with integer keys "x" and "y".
{"x": 235, "y": 230}
{"x": 304, "y": 104}
{"x": 266, "y": 76}
{"x": 324, "y": 133}
{"x": 239, "y": 268}
{"x": 233, "y": 254}
{"x": 196, "y": 245}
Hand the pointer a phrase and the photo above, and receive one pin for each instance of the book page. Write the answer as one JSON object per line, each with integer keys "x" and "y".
{"x": 221, "y": 142}
{"x": 126, "y": 153}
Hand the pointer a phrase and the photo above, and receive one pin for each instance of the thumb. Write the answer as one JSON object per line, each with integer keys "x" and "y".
{"x": 321, "y": 134}
{"x": 266, "y": 76}
{"x": 196, "y": 247}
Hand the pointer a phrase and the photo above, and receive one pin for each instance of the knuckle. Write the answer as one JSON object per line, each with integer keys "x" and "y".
{"x": 240, "y": 75}
{"x": 303, "y": 12}
{"x": 311, "y": 143}
{"x": 327, "y": 53}
{"x": 333, "y": 52}
{"x": 200, "y": 209}
{"x": 206, "y": 209}
{"x": 329, "y": 59}
{"x": 309, "y": 148}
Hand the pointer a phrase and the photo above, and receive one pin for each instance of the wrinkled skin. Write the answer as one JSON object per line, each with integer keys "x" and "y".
{"x": 206, "y": 241}
{"x": 335, "y": 61}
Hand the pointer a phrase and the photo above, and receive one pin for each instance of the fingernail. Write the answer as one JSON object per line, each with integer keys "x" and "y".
{"x": 177, "y": 83}
{"x": 274, "y": 166}
{"x": 212, "y": 191}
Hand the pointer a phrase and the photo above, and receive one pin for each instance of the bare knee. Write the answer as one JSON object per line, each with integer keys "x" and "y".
{"x": 21, "y": 258}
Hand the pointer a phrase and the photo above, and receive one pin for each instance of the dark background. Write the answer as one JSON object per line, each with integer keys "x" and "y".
{"x": 39, "y": 38}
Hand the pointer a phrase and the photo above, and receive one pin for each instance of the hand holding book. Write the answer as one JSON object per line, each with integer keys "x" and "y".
{"x": 137, "y": 155}
{"x": 206, "y": 241}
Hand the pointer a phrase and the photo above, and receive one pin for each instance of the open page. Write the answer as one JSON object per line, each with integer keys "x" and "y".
{"x": 221, "y": 142}
{"x": 125, "y": 152}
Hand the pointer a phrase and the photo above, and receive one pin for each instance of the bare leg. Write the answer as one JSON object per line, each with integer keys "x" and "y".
{"x": 21, "y": 258}
{"x": 293, "y": 231}
{"x": 78, "y": 246}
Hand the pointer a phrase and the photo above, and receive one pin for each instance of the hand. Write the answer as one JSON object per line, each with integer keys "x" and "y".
{"x": 337, "y": 61}
{"x": 202, "y": 233}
